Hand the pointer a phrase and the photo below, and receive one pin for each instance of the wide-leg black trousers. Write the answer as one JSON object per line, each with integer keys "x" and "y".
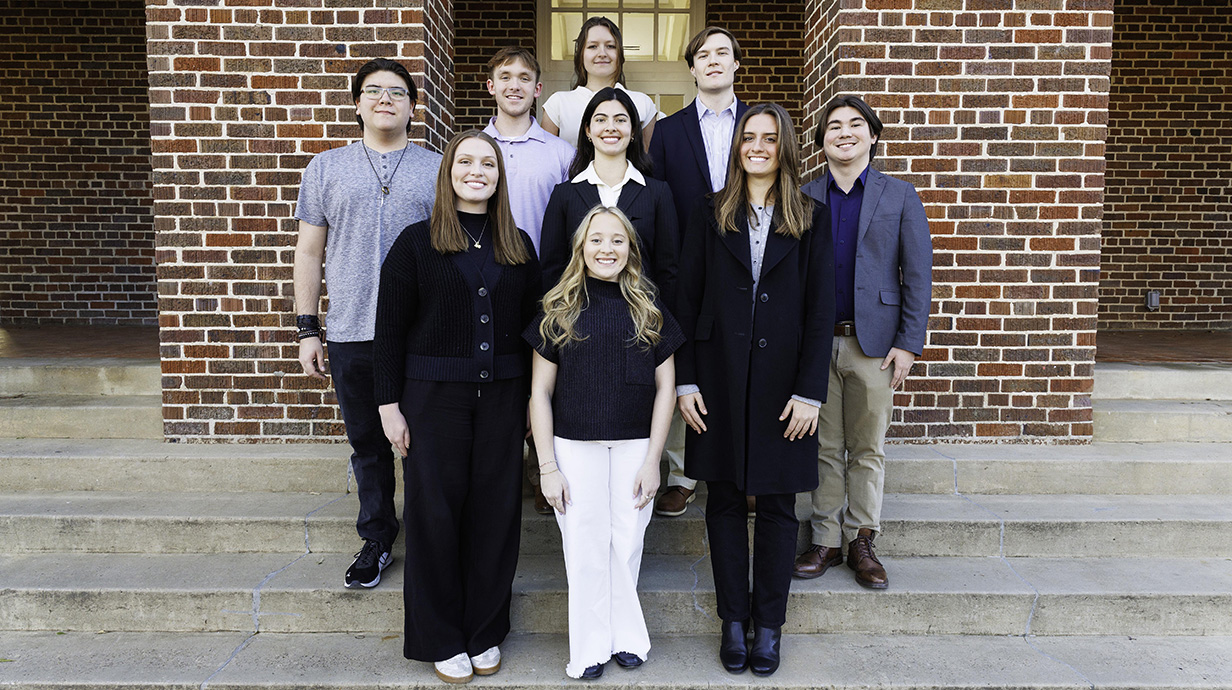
{"x": 462, "y": 515}
{"x": 774, "y": 552}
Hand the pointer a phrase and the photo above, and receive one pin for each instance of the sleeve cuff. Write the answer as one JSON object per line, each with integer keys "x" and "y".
{"x": 800, "y": 398}
{"x": 687, "y": 389}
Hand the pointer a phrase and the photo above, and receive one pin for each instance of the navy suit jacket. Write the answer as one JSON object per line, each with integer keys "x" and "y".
{"x": 679, "y": 156}
{"x": 894, "y": 265}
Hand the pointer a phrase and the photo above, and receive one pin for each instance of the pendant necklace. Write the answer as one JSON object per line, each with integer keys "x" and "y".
{"x": 384, "y": 185}
{"x": 473, "y": 238}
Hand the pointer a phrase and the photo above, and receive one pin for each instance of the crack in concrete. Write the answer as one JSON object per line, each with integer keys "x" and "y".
{"x": 256, "y": 591}
{"x": 1026, "y": 633}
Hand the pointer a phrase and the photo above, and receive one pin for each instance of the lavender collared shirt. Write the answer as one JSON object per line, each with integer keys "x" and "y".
{"x": 534, "y": 164}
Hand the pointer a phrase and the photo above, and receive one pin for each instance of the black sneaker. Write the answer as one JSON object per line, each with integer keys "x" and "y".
{"x": 369, "y": 562}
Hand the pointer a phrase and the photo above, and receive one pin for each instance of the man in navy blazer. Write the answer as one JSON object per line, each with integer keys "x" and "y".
{"x": 883, "y": 292}
{"x": 690, "y": 150}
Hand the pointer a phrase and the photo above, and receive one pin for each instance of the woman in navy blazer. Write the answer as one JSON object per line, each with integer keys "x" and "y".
{"x": 756, "y": 301}
{"x": 611, "y": 162}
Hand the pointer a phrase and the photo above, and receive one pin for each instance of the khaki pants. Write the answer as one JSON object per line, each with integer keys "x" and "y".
{"x": 851, "y": 445}
{"x": 673, "y": 451}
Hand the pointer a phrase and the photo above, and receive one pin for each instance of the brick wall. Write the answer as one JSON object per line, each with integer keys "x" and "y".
{"x": 483, "y": 29}
{"x": 996, "y": 110}
{"x": 76, "y": 235}
{"x": 1167, "y": 208}
{"x": 243, "y": 93}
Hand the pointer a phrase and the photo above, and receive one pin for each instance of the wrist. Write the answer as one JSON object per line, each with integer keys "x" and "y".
{"x": 307, "y": 326}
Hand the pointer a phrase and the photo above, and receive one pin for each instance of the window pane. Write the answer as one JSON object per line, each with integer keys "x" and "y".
{"x": 638, "y": 30}
{"x": 603, "y": 3}
{"x": 674, "y": 4}
{"x": 565, "y": 27}
{"x": 673, "y": 36}
{"x": 639, "y": 4}
{"x": 566, "y": 3}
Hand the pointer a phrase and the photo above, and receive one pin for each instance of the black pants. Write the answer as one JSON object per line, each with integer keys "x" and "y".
{"x": 463, "y": 514}
{"x": 774, "y": 551}
{"x": 372, "y": 459}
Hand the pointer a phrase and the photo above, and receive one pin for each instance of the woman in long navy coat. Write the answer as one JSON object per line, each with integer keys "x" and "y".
{"x": 756, "y": 299}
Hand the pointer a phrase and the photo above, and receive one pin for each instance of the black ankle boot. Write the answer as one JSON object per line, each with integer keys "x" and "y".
{"x": 733, "y": 651}
{"x": 764, "y": 654}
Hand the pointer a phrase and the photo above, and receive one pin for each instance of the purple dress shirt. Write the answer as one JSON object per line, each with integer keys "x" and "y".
{"x": 534, "y": 164}
{"x": 845, "y": 228}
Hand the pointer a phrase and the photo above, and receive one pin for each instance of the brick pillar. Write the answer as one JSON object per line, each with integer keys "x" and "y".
{"x": 996, "y": 110}
{"x": 242, "y": 94}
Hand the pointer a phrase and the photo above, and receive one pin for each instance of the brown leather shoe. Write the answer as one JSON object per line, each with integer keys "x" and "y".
{"x": 860, "y": 558}
{"x": 816, "y": 560}
{"x": 541, "y": 503}
{"x": 674, "y": 501}
{"x": 750, "y": 504}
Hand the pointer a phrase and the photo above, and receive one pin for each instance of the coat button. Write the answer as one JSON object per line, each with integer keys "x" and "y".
{"x": 483, "y": 318}
{"x": 483, "y": 292}
{"x": 483, "y": 374}
{"x": 483, "y": 347}
{"x": 764, "y": 297}
{"x": 761, "y": 343}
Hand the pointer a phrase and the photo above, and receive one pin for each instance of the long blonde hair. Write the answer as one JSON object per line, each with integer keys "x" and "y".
{"x": 444, "y": 228}
{"x": 563, "y": 304}
{"x": 792, "y": 208}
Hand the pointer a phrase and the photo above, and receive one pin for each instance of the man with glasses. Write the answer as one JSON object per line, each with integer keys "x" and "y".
{"x": 354, "y": 201}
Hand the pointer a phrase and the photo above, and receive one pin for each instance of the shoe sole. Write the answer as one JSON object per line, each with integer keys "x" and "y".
{"x": 814, "y": 576}
{"x": 456, "y": 680}
{"x": 677, "y": 513}
{"x": 486, "y": 671}
{"x": 872, "y": 585}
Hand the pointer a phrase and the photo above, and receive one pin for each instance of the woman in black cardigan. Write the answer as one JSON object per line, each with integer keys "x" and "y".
{"x": 756, "y": 301}
{"x": 612, "y": 169}
{"x": 451, "y": 370}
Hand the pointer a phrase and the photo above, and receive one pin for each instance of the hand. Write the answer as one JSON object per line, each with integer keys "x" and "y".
{"x": 690, "y": 406}
{"x": 803, "y": 418}
{"x": 554, "y": 486}
{"x": 395, "y": 428}
{"x": 312, "y": 357}
{"x": 902, "y": 360}
{"x": 646, "y": 483}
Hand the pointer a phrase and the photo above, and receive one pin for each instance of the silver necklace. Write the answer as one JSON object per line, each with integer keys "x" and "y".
{"x": 473, "y": 238}
{"x": 385, "y": 185}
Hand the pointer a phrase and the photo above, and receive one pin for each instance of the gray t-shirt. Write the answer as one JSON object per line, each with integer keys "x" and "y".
{"x": 340, "y": 191}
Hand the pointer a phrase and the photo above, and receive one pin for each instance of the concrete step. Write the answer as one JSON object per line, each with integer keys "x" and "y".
{"x": 913, "y": 525}
{"x": 1162, "y": 381}
{"x": 272, "y": 661}
{"x": 81, "y": 416}
{"x": 1151, "y": 421}
{"x": 148, "y": 465}
{"x": 935, "y": 596}
{"x": 95, "y": 376}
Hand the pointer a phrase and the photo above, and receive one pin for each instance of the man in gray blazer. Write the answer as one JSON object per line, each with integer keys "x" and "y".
{"x": 883, "y": 292}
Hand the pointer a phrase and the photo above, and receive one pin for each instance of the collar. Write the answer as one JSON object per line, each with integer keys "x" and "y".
{"x": 863, "y": 178}
{"x": 535, "y": 132}
{"x": 702, "y": 109}
{"x": 589, "y": 175}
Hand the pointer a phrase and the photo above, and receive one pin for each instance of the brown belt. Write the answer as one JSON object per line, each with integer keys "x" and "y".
{"x": 847, "y": 328}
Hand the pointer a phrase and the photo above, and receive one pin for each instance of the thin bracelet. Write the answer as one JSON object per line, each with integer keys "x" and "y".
{"x": 544, "y": 474}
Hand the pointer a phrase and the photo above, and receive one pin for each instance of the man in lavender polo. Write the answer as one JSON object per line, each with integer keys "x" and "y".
{"x": 535, "y": 162}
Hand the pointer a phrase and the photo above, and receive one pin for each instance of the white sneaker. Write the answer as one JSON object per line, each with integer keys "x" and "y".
{"x": 487, "y": 663}
{"x": 455, "y": 669}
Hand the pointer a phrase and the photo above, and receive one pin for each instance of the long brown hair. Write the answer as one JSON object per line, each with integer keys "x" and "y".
{"x": 792, "y": 208}
{"x": 445, "y": 230}
{"x": 565, "y": 301}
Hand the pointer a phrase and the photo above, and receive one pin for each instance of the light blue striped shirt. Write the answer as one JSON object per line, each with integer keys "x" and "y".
{"x": 717, "y": 131}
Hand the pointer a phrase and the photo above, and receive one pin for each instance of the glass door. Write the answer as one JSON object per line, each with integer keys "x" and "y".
{"x": 655, "y": 34}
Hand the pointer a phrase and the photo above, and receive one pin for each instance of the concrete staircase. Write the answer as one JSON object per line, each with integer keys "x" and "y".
{"x": 133, "y": 563}
{"x": 80, "y": 398}
{"x": 1162, "y": 401}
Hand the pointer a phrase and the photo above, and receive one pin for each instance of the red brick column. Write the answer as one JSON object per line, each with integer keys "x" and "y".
{"x": 242, "y": 93}
{"x": 996, "y": 110}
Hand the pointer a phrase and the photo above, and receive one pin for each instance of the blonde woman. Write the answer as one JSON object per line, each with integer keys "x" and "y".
{"x": 602, "y": 392}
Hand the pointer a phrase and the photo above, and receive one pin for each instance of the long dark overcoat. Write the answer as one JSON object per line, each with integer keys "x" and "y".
{"x": 749, "y": 353}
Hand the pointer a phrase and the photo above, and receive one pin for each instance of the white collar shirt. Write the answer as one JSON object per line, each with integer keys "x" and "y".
{"x": 717, "y": 128}
{"x": 609, "y": 195}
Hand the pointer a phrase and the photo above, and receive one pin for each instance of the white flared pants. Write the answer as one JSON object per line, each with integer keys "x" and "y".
{"x": 603, "y": 534}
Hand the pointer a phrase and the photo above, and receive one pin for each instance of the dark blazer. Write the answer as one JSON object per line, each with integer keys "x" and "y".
{"x": 679, "y": 156}
{"x": 749, "y": 363}
{"x": 649, "y": 208}
{"x": 894, "y": 265}
{"x": 439, "y": 317}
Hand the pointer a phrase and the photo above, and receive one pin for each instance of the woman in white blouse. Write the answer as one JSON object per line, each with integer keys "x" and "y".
{"x": 598, "y": 62}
